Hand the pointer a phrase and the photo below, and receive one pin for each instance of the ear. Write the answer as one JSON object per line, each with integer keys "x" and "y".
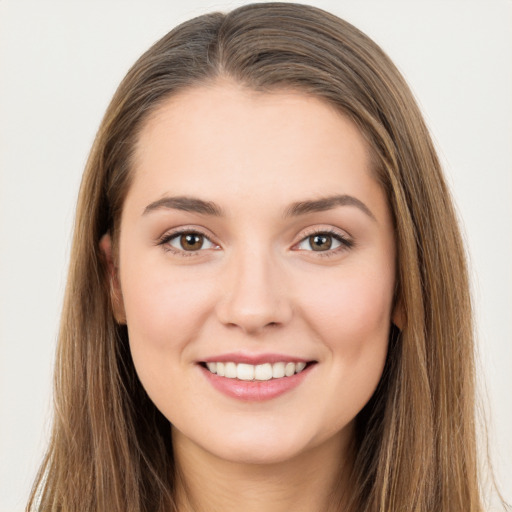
{"x": 116, "y": 296}
{"x": 398, "y": 316}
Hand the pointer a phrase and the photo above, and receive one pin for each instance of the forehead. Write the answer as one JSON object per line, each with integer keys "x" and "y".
{"x": 224, "y": 139}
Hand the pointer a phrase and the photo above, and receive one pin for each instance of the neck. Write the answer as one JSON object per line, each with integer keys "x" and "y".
{"x": 314, "y": 481}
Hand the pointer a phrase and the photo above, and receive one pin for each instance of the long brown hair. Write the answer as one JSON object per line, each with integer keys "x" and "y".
{"x": 415, "y": 449}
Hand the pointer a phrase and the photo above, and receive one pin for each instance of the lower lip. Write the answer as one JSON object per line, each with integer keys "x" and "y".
{"x": 255, "y": 391}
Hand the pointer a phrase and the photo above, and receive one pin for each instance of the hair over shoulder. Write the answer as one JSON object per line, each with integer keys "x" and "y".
{"x": 110, "y": 448}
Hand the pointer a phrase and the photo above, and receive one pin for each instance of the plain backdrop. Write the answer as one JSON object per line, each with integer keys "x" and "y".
{"x": 60, "y": 63}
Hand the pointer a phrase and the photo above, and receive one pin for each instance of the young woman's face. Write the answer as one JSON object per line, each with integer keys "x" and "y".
{"x": 255, "y": 240}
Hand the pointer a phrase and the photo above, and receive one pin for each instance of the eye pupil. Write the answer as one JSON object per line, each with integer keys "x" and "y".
{"x": 191, "y": 241}
{"x": 320, "y": 242}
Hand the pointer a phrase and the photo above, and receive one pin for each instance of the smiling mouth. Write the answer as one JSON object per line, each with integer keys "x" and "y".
{"x": 258, "y": 372}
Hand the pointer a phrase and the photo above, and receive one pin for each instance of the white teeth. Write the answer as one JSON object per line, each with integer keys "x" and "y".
{"x": 245, "y": 371}
{"x": 230, "y": 370}
{"x": 278, "y": 370}
{"x": 289, "y": 369}
{"x": 261, "y": 372}
{"x": 299, "y": 367}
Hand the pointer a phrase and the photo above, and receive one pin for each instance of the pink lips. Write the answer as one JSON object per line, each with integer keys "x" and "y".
{"x": 255, "y": 391}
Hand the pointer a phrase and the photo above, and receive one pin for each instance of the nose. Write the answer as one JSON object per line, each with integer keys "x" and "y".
{"x": 254, "y": 294}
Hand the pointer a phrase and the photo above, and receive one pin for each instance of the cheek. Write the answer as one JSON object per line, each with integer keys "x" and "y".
{"x": 350, "y": 309}
{"x": 352, "y": 318}
{"x": 164, "y": 312}
{"x": 162, "y": 307}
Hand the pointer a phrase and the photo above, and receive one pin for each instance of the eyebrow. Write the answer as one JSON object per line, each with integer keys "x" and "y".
{"x": 187, "y": 204}
{"x": 196, "y": 205}
{"x": 327, "y": 203}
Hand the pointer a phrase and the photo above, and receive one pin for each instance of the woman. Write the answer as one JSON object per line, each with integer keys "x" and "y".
{"x": 267, "y": 303}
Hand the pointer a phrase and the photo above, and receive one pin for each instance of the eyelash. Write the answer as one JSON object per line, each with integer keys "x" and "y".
{"x": 168, "y": 237}
{"x": 345, "y": 243}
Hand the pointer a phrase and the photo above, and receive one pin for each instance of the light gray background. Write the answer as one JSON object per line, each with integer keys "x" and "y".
{"x": 60, "y": 63}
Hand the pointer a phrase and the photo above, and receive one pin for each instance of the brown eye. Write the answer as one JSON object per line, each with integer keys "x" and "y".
{"x": 320, "y": 242}
{"x": 191, "y": 241}
{"x": 324, "y": 242}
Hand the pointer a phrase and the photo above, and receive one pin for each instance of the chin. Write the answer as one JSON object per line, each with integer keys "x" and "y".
{"x": 261, "y": 445}
{"x": 260, "y": 453}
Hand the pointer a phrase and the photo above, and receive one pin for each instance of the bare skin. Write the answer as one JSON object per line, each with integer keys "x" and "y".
{"x": 254, "y": 229}
{"x": 302, "y": 484}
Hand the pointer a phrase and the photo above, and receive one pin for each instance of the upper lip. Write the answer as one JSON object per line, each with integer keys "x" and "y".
{"x": 254, "y": 359}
